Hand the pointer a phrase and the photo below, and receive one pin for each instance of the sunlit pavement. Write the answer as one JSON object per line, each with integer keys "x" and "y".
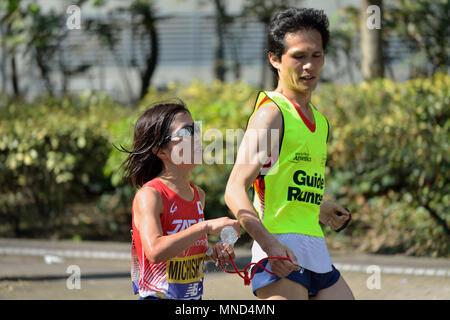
{"x": 37, "y": 269}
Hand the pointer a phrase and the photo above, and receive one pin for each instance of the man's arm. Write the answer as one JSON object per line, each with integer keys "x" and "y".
{"x": 333, "y": 215}
{"x": 255, "y": 149}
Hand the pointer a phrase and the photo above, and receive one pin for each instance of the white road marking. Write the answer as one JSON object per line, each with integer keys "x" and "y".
{"x": 395, "y": 270}
{"x": 114, "y": 255}
{"x": 85, "y": 254}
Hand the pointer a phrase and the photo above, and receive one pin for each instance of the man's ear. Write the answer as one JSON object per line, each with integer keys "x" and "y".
{"x": 274, "y": 61}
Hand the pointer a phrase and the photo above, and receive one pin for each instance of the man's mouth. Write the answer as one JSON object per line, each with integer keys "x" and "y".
{"x": 307, "y": 78}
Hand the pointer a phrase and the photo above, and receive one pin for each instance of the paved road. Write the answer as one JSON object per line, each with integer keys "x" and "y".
{"x": 32, "y": 269}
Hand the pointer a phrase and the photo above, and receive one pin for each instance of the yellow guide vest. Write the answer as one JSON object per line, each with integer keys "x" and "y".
{"x": 288, "y": 197}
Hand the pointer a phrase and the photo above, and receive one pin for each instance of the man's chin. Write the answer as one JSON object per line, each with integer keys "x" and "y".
{"x": 305, "y": 88}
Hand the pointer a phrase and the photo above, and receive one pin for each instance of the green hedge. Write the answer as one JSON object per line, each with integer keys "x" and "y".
{"x": 388, "y": 161}
{"x": 51, "y": 155}
{"x": 387, "y": 158}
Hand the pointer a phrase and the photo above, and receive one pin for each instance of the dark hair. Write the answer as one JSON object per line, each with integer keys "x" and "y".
{"x": 150, "y": 131}
{"x": 292, "y": 20}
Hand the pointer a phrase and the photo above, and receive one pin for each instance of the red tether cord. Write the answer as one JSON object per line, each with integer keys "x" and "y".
{"x": 246, "y": 277}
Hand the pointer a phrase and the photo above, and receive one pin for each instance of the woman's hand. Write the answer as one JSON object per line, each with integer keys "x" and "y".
{"x": 333, "y": 215}
{"x": 214, "y": 226}
{"x": 222, "y": 252}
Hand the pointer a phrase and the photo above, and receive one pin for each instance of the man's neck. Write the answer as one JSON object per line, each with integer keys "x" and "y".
{"x": 302, "y": 99}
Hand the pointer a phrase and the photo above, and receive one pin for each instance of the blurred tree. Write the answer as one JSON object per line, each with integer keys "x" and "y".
{"x": 29, "y": 30}
{"x": 142, "y": 23}
{"x": 108, "y": 34}
{"x": 143, "y": 16}
{"x": 372, "y": 62}
{"x": 219, "y": 63}
{"x": 344, "y": 29}
{"x": 47, "y": 35}
{"x": 223, "y": 21}
{"x": 425, "y": 24}
{"x": 13, "y": 36}
{"x": 4, "y": 59}
{"x": 263, "y": 10}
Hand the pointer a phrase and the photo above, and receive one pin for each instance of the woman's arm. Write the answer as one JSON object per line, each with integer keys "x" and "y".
{"x": 220, "y": 251}
{"x": 148, "y": 207}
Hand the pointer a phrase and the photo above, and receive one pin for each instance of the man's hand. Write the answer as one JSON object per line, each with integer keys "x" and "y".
{"x": 333, "y": 215}
{"x": 281, "y": 267}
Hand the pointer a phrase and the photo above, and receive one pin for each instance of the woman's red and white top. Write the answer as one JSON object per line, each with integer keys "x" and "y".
{"x": 182, "y": 276}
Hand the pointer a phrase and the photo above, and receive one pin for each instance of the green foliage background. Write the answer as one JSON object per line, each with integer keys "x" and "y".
{"x": 387, "y": 161}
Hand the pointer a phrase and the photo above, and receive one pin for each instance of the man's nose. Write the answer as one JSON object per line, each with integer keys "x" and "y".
{"x": 307, "y": 65}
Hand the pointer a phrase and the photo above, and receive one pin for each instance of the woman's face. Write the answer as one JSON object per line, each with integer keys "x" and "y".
{"x": 301, "y": 64}
{"x": 184, "y": 145}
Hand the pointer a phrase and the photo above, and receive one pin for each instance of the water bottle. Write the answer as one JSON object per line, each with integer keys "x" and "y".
{"x": 228, "y": 235}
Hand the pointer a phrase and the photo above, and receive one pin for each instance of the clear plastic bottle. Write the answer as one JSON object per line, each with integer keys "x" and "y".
{"x": 228, "y": 235}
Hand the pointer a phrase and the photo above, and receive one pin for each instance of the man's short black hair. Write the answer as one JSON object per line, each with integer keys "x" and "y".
{"x": 292, "y": 20}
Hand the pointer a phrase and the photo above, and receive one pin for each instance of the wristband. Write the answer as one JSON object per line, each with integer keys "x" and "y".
{"x": 345, "y": 223}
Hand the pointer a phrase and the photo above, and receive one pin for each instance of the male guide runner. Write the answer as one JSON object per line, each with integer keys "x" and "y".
{"x": 288, "y": 197}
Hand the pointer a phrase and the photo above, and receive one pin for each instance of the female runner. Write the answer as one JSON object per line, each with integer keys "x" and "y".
{"x": 169, "y": 231}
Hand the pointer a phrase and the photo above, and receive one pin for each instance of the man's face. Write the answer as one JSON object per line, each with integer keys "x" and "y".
{"x": 302, "y": 61}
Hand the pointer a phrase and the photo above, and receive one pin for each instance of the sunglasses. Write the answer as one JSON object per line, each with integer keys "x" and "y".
{"x": 185, "y": 132}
